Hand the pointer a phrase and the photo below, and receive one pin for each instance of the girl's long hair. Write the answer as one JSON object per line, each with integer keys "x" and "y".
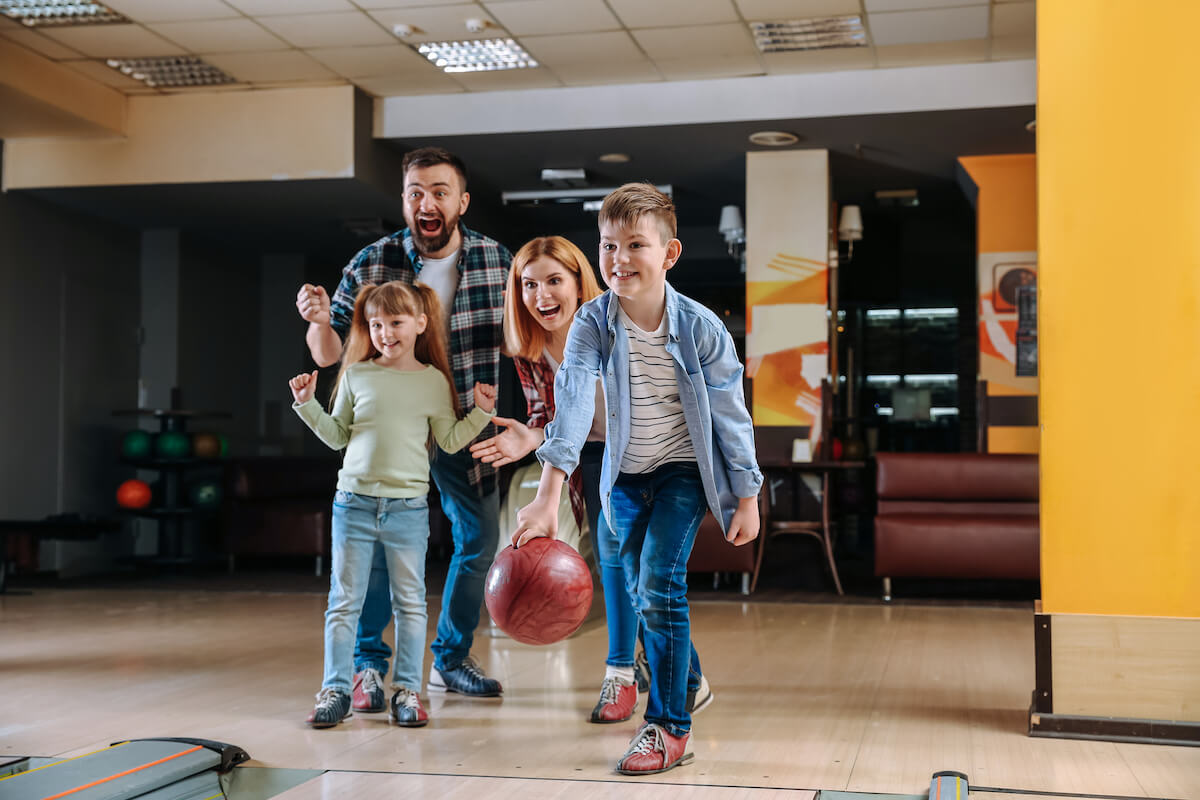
{"x": 397, "y": 297}
{"x": 523, "y": 335}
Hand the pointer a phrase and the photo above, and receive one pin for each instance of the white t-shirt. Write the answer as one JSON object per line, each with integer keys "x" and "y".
{"x": 596, "y": 434}
{"x": 658, "y": 431}
{"x": 441, "y": 275}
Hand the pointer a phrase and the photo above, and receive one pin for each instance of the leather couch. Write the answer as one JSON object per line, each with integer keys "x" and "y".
{"x": 711, "y": 553}
{"x": 956, "y": 515}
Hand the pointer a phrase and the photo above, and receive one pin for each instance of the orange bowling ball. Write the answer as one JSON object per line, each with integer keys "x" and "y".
{"x": 134, "y": 494}
{"x": 539, "y": 594}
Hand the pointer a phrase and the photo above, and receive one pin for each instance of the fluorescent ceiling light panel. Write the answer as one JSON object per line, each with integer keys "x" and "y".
{"x": 817, "y": 33}
{"x": 477, "y": 55}
{"x": 171, "y": 71}
{"x": 38, "y": 13}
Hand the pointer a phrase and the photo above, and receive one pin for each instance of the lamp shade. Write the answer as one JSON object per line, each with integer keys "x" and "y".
{"x": 850, "y": 226}
{"x": 731, "y": 225}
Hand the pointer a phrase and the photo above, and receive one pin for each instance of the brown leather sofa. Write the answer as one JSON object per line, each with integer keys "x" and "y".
{"x": 956, "y": 515}
{"x": 711, "y": 553}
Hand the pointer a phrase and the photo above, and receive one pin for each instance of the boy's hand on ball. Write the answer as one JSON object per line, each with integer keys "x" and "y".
{"x": 485, "y": 396}
{"x": 303, "y": 386}
{"x": 539, "y": 518}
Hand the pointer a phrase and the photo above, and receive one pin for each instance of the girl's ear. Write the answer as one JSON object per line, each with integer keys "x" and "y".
{"x": 422, "y": 321}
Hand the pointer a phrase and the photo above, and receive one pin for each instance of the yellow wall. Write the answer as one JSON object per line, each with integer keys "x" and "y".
{"x": 1119, "y": 306}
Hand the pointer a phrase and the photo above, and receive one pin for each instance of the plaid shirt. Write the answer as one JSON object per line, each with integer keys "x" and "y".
{"x": 475, "y": 321}
{"x": 537, "y": 381}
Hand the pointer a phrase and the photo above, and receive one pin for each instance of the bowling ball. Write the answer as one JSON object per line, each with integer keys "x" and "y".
{"x": 205, "y": 445}
{"x": 539, "y": 594}
{"x": 136, "y": 444}
{"x": 133, "y": 494}
{"x": 172, "y": 444}
{"x": 205, "y": 494}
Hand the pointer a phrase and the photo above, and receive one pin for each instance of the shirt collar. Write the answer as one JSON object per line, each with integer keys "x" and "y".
{"x": 672, "y": 312}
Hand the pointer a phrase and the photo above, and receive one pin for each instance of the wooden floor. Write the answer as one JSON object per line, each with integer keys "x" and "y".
{"x": 809, "y": 697}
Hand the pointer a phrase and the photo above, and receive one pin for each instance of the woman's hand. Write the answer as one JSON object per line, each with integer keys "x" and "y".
{"x": 303, "y": 386}
{"x": 485, "y": 396}
{"x": 514, "y": 443}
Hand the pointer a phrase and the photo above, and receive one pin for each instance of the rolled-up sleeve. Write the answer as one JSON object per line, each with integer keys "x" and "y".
{"x": 574, "y": 396}
{"x": 733, "y": 429}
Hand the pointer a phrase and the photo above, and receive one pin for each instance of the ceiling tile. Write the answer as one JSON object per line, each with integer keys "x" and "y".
{"x": 38, "y": 43}
{"x": 582, "y": 48}
{"x": 933, "y": 25}
{"x": 1014, "y": 19}
{"x": 912, "y": 5}
{"x": 262, "y": 8}
{"x": 345, "y": 29}
{"x": 99, "y": 71}
{"x": 114, "y": 41}
{"x": 618, "y": 71}
{"x": 355, "y": 62}
{"x": 699, "y": 41}
{"x": 796, "y": 9}
{"x": 915, "y": 55}
{"x": 1006, "y": 48}
{"x": 664, "y": 13}
{"x": 220, "y": 35}
{"x": 841, "y": 58}
{"x": 401, "y": 85}
{"x": 441, "y": 23}
{"x": 533, "y": 17}
{"x": 509, "y": 79}
{"x": 696, "y": 68}
{"x": 158, "y": 11}
{"x": 278, "y": 65}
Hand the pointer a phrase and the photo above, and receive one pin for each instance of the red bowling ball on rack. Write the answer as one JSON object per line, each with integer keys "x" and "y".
{"x": 539, "y": 594}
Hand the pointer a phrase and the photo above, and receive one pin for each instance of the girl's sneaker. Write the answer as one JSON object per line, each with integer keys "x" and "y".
{"x": 653, "y": 750}
{"x": 406, "y": 710}
{"x": 368, "y": 691}
{"x": 617, "y": 700}
{"x": 332, "y": 707}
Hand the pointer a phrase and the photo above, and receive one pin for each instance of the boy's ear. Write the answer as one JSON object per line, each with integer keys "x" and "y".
{"x": 674, "y": 251}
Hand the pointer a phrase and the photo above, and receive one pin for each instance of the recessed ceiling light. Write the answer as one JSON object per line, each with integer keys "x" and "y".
{"x": 477, "y": 55}
{"x": 773, "y": 138}
{"x": 37, "y": 13}
{"x": 817, "y": 33}
{"x": 171, "y": 71}
{"x": 615, "y": 158}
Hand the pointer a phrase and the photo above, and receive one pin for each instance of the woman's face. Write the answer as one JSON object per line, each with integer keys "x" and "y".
{"x": 550, "y": 293}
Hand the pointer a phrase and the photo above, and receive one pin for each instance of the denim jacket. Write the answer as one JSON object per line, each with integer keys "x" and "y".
{"x": 710, "y": 391}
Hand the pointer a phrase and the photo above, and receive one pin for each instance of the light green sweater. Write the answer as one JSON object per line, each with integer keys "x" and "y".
{"x": 383, "y": 417}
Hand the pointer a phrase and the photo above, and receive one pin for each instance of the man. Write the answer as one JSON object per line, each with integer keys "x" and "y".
{"x": 468, "y": 272}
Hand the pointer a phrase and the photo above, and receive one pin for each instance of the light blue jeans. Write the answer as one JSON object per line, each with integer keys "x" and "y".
{"x": 401, "y": 526}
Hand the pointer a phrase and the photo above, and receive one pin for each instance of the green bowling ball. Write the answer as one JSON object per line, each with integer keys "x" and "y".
{"x": 137, "y": 444}
{"x": 172, "y": 444}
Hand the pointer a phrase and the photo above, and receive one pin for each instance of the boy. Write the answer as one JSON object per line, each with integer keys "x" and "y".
{"x": 679, "y": 442}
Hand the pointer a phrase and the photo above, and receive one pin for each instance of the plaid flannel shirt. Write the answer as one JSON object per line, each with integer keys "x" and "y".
{"x": 537, "y": 382}
{"x": 475, "y": 321}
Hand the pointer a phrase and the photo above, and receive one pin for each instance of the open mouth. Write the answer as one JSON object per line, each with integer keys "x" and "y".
{"x": 548, "y": 312}
{"x": 430, "y": 225}
{"x": 622, "y": 275}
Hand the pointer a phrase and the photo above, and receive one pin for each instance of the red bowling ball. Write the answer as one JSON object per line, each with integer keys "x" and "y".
{"x": 539, "y": 594}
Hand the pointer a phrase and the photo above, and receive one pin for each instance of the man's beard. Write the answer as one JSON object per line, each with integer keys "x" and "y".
{"x": 427, "y": 244}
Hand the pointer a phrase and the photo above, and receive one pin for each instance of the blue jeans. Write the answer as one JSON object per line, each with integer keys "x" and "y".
{"x": 656, "y": 516}
{"x": 474, "y": 528}
{"x": 618, "y": 606}
{"x": 360, "y": 524}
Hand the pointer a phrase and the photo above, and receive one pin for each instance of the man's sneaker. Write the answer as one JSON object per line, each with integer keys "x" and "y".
{"x": 406, "y": 709}
{"x": 332, "y": 707}
{"x": 699, "y": 698}
{"x": 368, "y": 691}
{"x": 641, "y": 671}
{"x": 653, "y": 750}
{"x": 617, "y": 699}
{"x": 466, "y": 679}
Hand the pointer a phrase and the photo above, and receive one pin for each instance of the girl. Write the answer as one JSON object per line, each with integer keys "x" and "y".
{"x": 550, "y": 278}
{"x": 394, "y": 388}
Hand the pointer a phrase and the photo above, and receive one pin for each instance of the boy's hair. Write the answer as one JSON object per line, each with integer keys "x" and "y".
{"x": 397, "y": 297}
{"x": 431, "y": 157}
{"x": 523, "y": 335}
{"x": 626, "y": 205}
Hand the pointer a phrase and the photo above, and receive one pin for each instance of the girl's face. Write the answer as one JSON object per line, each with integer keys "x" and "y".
{"x": 394, "y": 336}
{"x": 550, "y": 293}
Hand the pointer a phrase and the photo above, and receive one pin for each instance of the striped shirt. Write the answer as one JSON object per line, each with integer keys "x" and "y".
{"x": 658, "y": 431}
{"x": 475, "y": 321}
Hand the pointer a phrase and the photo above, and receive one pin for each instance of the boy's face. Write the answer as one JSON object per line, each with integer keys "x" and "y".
{"x": 634, "y": 259}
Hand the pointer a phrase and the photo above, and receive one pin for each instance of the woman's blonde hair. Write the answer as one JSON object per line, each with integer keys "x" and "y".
{"x": 397, "y": 297}
{"x": 523, "y": 335}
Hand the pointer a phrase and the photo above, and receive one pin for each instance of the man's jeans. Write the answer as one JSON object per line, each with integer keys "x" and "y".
{"x": 656, "y": 516}
{"x": 399, "y": 527}
{"x": 474, "y": 527}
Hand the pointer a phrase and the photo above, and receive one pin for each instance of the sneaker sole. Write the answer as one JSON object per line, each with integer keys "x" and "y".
{"x": 379, "y": 710}
{"x": 704, "y": 704}
{"x": 320, "y": 726}
{"x": 610, "y": 721}
{"x": 683, "y": 760}
{"x": 442, "y": 689}
{"x": 421, "y": 723}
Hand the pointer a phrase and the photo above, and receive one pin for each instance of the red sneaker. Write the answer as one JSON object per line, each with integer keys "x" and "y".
{"x": 368, "y": 692}
{"x": 616, "y": 703}
{"x": 653, "y": 750}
